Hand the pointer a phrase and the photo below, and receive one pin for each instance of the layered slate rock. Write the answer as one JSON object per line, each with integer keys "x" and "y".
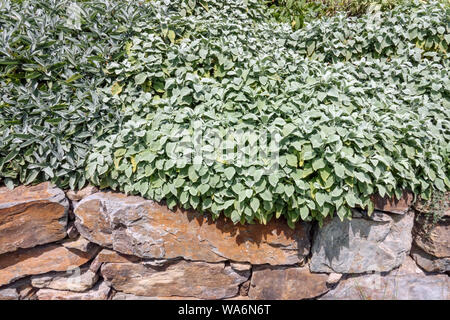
{"x": 286, "y": 283}
{"x": 429, "y": 262}
{"x": 39, "y": 260}
{"x": 435, "y": 239}
{"x": 9, "y": 294}
{"x": 182, "y": 278}
{"x": 78, "y": 280}
{"x": 126, "y": 296}
{"x": 135, "y": 226}
{"x": 431, "y": 239}
{"x": 377, "y": 243}
{"x": 99, "y": 292}
{"x": 31, "y": 216}
{"x": 408, "y": 267}
{"x": 392, "y": 204}
{"x": 18, "y": 290}
{"x": 391, "y": 287}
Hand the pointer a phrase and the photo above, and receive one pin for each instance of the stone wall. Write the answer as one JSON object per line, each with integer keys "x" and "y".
{"x": 104, "y": 245}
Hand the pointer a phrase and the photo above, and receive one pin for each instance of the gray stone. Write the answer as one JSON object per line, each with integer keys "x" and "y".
{"x": 430, "y": 263}
{"x": 77, "y": 280}
{"x": 18, "y": 290}
{"x": 99, "y": 292}
{"x": 9, "y": 294}
{"x": 362, "y": 244}
{"x": 408, "y": 266}
{"x": 127, "y": 296}
{"x": 391, "y": 287}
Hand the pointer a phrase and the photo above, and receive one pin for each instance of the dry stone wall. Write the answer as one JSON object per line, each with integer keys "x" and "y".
{"x": 92, "y": 245}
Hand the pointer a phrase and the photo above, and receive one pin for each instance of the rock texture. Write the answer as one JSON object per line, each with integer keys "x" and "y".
{"x": 99, "y": 292}
{"x": 435, "y": 240}
{"x": 183, "y": 279}
{"x": 80, "y": 194}
{"x": 134, "y": 226}
{"x": 77, "y": 280}
{"x": 9, "y": 294}
{"x": 391, "y": 287}
{"x": 79, "y": 244}
{"x": 362, "y": 244}
{"x": 408, "y": 267}
{"x": 286, "y": 283}
{"x": 39, "y": 260}
{"x": 31, "y": 216}
{"x": 430, "y": 263}
{"x": 392, "y": 204}
{"x": 126, "y": 296}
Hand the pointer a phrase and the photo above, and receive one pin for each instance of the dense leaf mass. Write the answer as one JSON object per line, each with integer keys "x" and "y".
{"x": 115, "y": 93}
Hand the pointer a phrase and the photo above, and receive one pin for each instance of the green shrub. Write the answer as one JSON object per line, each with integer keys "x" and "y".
{"x": 299, "y": 12}
{"x": 350, "y": 106}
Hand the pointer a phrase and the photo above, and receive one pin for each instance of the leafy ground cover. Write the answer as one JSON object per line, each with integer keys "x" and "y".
{"x": 299, "y": 12}
{"x": 213, "y": 106}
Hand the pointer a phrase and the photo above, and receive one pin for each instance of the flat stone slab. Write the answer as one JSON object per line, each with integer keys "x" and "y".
{"x": 99, "y": 292}
{"x": 143, "y": 228}
{"x": 362, "y": 244}
{"x": 182, "y": 279}
{"x": 39, "y": 260}
{"x": 434, "y": 239}
{"x": 391, "y": 287}
{"x": 31, "y": 216}
{"x": 77, "y": 280}
{"x": 392, "y": 204}
{"x": 286, "y": 283}
{"x": 429, "y": 262}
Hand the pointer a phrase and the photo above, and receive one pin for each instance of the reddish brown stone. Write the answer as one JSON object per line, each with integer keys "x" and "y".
{"x": 245, "y": 287}
{"x": 286, "y": 283}
{"x": 392, "y": 204}
{"x": 135, "y": 226}
{"x": 31, "y": 216}
{"x": 433, "y": 239}
{"x": 40, "y": 260}
{"x": 183, "y": 279}
{"x": 111, "y": 256}
{"x": 80, "y": 244}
